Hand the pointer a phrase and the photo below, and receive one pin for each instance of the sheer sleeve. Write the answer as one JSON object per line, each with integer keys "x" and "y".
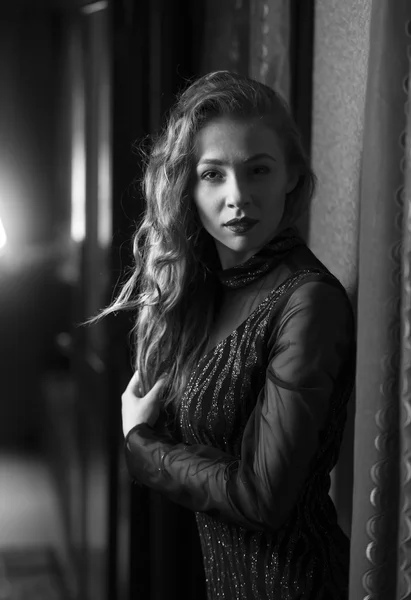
{"x": 308, "y": 347}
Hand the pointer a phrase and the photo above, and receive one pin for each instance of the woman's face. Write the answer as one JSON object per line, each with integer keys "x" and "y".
{"x": 240, "y": 171}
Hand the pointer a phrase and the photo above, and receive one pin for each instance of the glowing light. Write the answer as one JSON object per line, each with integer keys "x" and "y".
{"x": 3, "y": 236}
{"x": 104, "y": 166}
{"x": 104, "y": 180}
{"x": 78, "y": 147}
{"x": 104, "y": 157}
{"x": 95, "y": 7}
{"x": 78, "y": 185}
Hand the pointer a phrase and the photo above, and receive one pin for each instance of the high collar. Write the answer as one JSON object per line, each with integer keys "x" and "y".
{"x": 263, "y": 261}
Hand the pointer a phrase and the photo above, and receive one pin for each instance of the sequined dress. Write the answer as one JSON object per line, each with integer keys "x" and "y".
{"x": 256, "y": 435}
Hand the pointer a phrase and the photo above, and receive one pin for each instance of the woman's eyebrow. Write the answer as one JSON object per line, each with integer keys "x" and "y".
{"x": 218, "y": 161}
{"x": 211, "y": 161}
{"x": 259, "y": 156}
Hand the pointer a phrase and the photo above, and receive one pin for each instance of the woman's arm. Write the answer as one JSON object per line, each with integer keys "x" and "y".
{"x": 307, "y": 351}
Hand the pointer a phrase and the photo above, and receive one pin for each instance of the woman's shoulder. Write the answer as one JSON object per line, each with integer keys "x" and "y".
{"x": 312, "y": 300}
{"x": 302, "y": 258}
{"x": 301, "y": 266}
{"x": 307, "y": 282}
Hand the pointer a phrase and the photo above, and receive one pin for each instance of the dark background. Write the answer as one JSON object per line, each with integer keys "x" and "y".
{"x": 60, "y": 383}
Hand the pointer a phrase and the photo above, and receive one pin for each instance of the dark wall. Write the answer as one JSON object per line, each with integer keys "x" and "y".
{"x": 29, "y": 70}
{"x": 33, "y": 214}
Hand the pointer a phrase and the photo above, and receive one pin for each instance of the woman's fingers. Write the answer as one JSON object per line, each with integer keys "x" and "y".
{"x": 156, "y": 387}
{"x": 135, "y": 377}
{"x": 134, "y": 385}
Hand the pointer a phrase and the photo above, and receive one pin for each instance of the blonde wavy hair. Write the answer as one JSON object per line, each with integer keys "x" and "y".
{"x": 173, "y": 288}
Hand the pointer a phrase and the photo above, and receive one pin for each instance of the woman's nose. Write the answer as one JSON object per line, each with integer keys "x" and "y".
{"x": 238, "y": 193}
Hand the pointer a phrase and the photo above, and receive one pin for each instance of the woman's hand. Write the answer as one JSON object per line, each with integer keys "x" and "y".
{"x": 138, "y": 409}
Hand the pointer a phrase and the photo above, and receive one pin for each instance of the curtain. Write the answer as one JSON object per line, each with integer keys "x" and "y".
{"x": 341, "y": 54}
{"x": 249, "y": 36}
{"x": 359, "y": 226}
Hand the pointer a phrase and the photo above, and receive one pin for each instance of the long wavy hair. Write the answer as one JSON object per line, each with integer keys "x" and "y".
{"x": 173, "y": 288}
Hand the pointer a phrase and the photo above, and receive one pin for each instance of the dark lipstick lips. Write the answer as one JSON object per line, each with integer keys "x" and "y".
{"x": 243, "y": 221}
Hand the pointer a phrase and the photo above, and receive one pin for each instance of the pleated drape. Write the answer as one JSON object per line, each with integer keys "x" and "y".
{"x": 404, "y": 546}
{"x": 251, "y": 37}
{"x": 360, "y": 227}
{"x": 376, "y": 467}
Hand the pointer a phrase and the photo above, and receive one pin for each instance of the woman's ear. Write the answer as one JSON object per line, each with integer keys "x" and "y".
{"x": 293, "y": 178}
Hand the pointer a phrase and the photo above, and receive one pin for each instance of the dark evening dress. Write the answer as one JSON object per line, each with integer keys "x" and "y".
{"x": 256, "y": 435}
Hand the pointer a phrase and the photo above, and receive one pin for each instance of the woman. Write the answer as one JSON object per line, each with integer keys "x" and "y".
{"x": 245, "y": 347}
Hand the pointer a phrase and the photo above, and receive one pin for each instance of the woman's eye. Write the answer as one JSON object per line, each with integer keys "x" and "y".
{"x": 211, "y": 176}
{"x": 261, "y": 170}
